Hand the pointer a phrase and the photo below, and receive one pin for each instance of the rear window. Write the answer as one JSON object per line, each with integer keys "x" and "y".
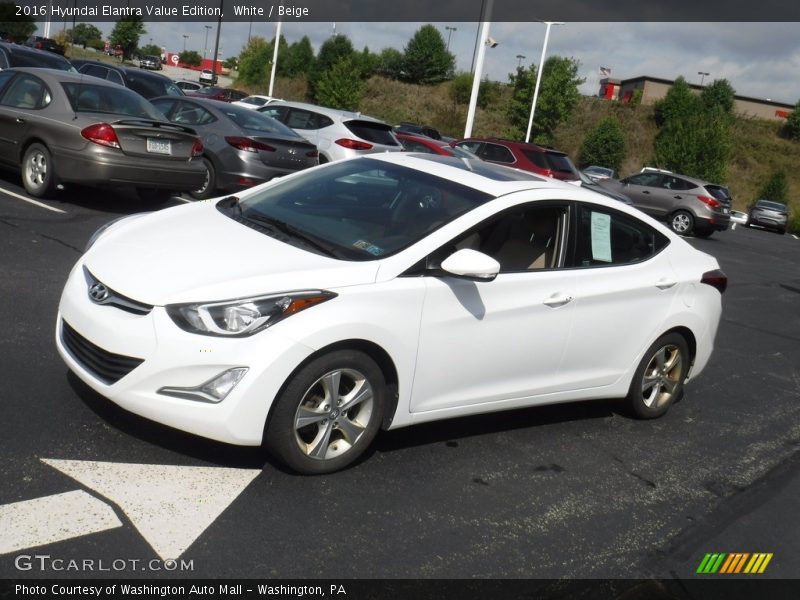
{"x": 537, "y": 158}
{"x": 150, "y": 87}
{"x": 47, "y": 60}
{"x": 771, "y": 205}
{"x": 85, "y": 97}
{"x": 256, "y": 121}
{"x": 719, "y": 192}
{"x": 377, "y": 133}
{"x": 559, "y": 162}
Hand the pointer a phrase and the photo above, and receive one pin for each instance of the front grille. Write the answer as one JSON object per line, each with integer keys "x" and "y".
{"x": 106, "y": 366}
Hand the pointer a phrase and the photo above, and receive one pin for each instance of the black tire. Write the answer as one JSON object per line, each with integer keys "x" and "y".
{"x": 658, "y": 380}
{"x": 210, "y": 187}
{"x": 38, "y": 171}
{"x": 682, "y": 222}
{"x": 782, "y": 231}
{"x": 332, "y": 438}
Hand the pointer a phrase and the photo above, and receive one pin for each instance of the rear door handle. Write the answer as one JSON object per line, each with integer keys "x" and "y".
{"x": 557, "y": 300}
{"x": 678, "y": 197}
{"x": 665, "y": 283}
{"x": 645, "y": 192}
{"x": 20, "y": 121}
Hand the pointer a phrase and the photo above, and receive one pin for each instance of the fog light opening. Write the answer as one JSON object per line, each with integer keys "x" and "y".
{"x": 214, "y": 390}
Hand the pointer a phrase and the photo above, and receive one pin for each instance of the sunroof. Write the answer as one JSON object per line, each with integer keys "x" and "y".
{"x": 484, "y": 169}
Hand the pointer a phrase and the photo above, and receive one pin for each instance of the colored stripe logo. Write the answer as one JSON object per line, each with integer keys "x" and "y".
{"x": 734, "y": 563}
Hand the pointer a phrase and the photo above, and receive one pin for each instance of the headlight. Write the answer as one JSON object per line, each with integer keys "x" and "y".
{"x": 243, "y": 317}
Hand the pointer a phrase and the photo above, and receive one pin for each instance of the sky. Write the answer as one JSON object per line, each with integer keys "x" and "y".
{"x": 760, "y": 60}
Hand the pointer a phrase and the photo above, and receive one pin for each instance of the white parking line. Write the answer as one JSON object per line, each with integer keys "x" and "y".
{"x": 52, "y": 519}
{"x": 30, "y": 200}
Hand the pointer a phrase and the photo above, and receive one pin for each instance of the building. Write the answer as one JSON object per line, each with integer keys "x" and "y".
{"x": 654, "y": 88}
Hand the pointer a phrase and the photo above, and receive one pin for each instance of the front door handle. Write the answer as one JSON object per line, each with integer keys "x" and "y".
{"x": 665, "y": 283}
{"x": 20, "y": 121}
{"x": 557, "y": 300}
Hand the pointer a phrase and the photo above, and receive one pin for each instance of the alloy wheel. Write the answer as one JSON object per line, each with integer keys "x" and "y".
{"x": 662, "y": 376}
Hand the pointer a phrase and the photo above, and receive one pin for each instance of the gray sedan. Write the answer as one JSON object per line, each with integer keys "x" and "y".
{"x": 59, "y": 127}
{"x": 243, "y": 147}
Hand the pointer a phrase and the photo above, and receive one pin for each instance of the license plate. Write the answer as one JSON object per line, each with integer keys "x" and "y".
{"x": 159, "y": 146}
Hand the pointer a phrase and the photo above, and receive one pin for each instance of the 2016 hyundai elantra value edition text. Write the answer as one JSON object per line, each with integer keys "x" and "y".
{"x": 380, "y": 292}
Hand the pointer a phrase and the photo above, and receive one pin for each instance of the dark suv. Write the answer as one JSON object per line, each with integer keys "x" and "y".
{"x": 43, "y": 43}
{"x": 143, "y": 82}
{"x": 14, "y": 55}
{"x": 765, "y": 213}
{"x": 687, "y": 204}
{"x": 528, "y": 157}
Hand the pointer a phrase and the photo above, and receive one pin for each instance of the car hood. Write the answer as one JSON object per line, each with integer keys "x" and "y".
{"x": 194, "y": 253}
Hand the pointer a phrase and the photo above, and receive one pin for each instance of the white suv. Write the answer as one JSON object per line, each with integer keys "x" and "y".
{"x": 208, "y": 77}
{"x": 337, "y": 134}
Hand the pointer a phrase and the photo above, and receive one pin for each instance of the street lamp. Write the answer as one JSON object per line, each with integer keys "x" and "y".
{"x": 205, "y": 42}
{"x": 520, "y": 58}
{"x": 703, "y": 75}
{"x": 185, "y": 37}
{"x": 450, "y": 31}
{"x": 483, "y": 41}
{"x": 539, "y": 76}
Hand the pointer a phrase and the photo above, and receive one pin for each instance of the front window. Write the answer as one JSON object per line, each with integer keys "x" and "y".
{"x": 356, "y": 210}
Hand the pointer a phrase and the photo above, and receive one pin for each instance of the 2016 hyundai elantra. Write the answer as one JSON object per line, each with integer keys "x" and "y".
{"x": 381, "y": 292}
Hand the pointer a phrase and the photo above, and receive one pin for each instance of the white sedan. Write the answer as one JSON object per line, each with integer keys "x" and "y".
{"x": 381, "y": 292}
{"x": 255, "y": 101}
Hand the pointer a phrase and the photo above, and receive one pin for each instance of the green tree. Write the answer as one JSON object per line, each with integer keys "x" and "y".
{"x": 558, "y": 96}
{"x": 390, "y": 63}
{"x": 191, "y": 58}
{"x": 150, "y": 49}
{"x": 84, "y": 33}
{"x": 426, "y": 59}
{"x": 332, "y": 51}
{"x": 255, "y": 62}
{"x": 17, "y": 28}
{"x": 461, "y": 90}
{"x": 340, "y": 86}
{"x": 604, "y": 145}
{"x": 776, "y": 188}
{"x": 299, "y": 58}
{"x": 720, "y": 94}
{"x": 679, "y": 103}
{"x": 367, "y": 63}
{"x": 126, "y": 33}
{"x": 232, "y": 62}
{"x": 791, "y": 129}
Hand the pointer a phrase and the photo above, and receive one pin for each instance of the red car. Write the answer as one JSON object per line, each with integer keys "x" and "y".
{"x": 421, "y": 143}
{"x": 528, "y": 157}
{"x": 217, "y": 93}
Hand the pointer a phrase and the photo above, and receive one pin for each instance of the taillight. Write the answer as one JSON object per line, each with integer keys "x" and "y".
{"x": 312, "y": 154}
{"x": 712, "y": 202}
{"x": 197, "y": 147}
{"x": 353, "y": 144}
{"x": 101, "y": 133}
{"x": 716, "y": 279}
{"x": 248, "y": 145}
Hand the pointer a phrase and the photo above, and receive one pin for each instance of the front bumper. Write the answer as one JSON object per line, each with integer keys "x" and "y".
{"x": 171, "y": 357}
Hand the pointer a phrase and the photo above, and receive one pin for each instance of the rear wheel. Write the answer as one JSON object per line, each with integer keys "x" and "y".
{"x": 209, "y": 186}
{"x": 681, "y": 222}
{"x": 38, "y": 172}
{"x": 658, "y": 381}
{"x": 328, "y": 413}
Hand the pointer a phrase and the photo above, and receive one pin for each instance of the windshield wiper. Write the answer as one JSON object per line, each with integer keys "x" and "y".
{"x": 291, "y": 230}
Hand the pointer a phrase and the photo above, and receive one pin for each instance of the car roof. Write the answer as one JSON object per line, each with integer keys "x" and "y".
{"x": 58, "y": 75}
{"x": 20, "y": 49}
{"x": 343, "y": 115}
{"x": 514, "y": 143}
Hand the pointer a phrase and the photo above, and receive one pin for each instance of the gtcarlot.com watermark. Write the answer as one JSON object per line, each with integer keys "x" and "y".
{"x": 46, "y": 562}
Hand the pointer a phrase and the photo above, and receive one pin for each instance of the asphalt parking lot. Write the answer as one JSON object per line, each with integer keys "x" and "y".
{"x": 572, "y": 491}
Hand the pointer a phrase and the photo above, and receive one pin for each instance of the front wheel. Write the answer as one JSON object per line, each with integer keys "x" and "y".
{"x": 38, "y": 175}
{"x": 328, "y": 413}
{"x": 681, "y": 222}
{"x": 658, "y": 381}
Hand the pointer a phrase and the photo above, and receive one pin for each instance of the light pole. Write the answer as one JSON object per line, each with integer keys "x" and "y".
{"x": 185, "y": 37}
{"x": 450, "y": 31}
{"x": 205, "y": 42}
{"x": 520, "y": 58}
{"x": 539, "y": 76}
{"x": 703, "y": 75}
{"x": 483, "y": 41}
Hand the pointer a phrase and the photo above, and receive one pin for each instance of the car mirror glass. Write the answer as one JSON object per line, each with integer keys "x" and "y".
{"x": 472, "y": 265}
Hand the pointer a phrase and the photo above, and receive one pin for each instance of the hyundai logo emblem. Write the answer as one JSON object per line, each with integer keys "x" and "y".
{"x": 98, "y": 292}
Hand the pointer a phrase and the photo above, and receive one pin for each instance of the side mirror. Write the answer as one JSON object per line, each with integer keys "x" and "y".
{"x": 472, "y": 265}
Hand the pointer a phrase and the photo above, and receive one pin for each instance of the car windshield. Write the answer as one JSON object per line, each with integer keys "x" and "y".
{"x": 771, "y": 205}
{"x": 85, "y": 97}
{"x": 254, "y": 100}
{"x": 207, "y": 91}
{"x": 599, "y": 171}
{"x": 361, "y": 209}
{"x": 256, "y": 121}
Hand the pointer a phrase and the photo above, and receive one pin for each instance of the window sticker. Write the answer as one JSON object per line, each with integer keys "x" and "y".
{"x": 601, "y": 237}
{"x": 367, "y": 247}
